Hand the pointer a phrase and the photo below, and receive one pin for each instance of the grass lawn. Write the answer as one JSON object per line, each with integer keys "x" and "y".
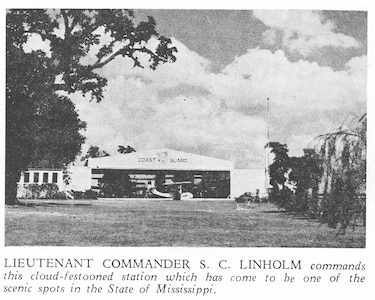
{"x": 166, "y": 223}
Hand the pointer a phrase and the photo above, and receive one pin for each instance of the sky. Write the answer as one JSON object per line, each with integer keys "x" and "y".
{"x": 311, "y": 65}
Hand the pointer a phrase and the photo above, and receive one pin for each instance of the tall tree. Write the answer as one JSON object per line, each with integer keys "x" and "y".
{"x": 306, "y": 173}
{"x": 295, "y": 180}
{"x": 280, "y": 195}
{"x": 71, "y": 35}
{"x": 280, "y": 165}
{"x": 343, "y": 154}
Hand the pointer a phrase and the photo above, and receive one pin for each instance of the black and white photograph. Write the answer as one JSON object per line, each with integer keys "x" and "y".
{"x": 193, "y": 128}
{"x": 159, "y": 150}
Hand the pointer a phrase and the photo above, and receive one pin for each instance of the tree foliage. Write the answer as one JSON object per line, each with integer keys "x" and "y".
{"x": 330, "y": 179}
{"x": 306, "y": 173}
{"x": 56, "y": 132}
{"x": 116, "y": 184}
{"x": 125, "y": 150}
{"x": 42, "y": 128}
{"x": 94, "y": 152}
{"x": 295, "y": 180}
{"x": 280, "y": 165}
{"x": 80, "y": 43}
{"x": 105, "y": 34}
{"x": 343, "y": 154}
{"x": 280, "y": 195}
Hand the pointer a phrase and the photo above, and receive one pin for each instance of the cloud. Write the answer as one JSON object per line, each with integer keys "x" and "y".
{"x": 291, "y": 85}
{"x": 305, "y": 99}
{"x": 302, "y": 31}
{"x": 184, "y": 106}
{"x": 270, "y": 36}
{"x": 190, "y": 67}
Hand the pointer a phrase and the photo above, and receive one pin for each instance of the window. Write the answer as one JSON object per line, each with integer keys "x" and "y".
{"x": 45, "y": 177}
{"x": 26, "y": 177}
{"x": 197, "y": 179}
{"x": 36, "y": 177}
{"x": 54, "y": 177}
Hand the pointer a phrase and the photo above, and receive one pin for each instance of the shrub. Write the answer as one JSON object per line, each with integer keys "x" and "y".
{"x": 58, "y": 196}
{"x": 246, "y": 197}
{"x": 86, "y": 195}
{"x": 91, "y": 194}
{"x": 78, "y": 195}
{"x": 41, "y": 191}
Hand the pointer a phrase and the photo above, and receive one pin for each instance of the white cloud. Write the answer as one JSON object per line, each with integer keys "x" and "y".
{"x": 229, "y": 120}
{"x": 302, "y": 31}
{"x": 357, "y": 65}
{"x": 190, "y": 68}
{"x": 270, "y": 36}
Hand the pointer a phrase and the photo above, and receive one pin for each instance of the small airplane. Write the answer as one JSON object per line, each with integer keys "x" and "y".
{"x": 184, "y": 195}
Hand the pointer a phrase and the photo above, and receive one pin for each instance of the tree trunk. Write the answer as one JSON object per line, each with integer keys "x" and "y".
{"x": 11, "y": 179}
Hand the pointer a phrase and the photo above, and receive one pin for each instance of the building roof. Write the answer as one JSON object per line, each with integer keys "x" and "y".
{"x": 160, "y": 159}
{"x": 45, "y": 169}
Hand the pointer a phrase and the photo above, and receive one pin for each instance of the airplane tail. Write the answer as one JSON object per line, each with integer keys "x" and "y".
{"x": 154, "y": 191}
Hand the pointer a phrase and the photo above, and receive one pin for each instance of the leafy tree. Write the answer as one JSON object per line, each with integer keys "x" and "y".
{"x": 280, "y": 195}
{"x": 125, "y": 150}
{"x": 42, "y": 128}
{"x": 94, "y": 152}
{"x": 306, "y": 173}
{"x": 34, "y": 77}
{"x": 336, "y": 168}
{"x": 116, "y": 184}
{"x": 343, "y": 154}
{"x": 56, "y": 132}
{"x": 19, "y": 107}
{"x": 280, "y": 165}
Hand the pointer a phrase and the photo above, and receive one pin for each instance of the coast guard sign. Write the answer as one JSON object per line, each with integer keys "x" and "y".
{"x": 161, "y": 159}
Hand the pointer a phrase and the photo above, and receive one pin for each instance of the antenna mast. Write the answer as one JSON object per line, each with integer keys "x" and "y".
{"x": 268, "y": 120}
{"x": 267, "y": 155}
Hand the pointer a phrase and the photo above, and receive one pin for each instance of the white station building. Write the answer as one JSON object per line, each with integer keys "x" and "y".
{"x": 203, "y": 176}
{"x": 75, "y": 178}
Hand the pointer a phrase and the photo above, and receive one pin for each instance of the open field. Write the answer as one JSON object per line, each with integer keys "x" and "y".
{"x": 166, "y": 223}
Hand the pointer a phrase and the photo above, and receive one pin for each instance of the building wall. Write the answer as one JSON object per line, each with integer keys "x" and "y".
{"x": 202, "y": 184}
{"x": 160, "y": 159}
{"x": 247, "y": 180}
{"x": 74, "y": 178}
{"x": 39, "y": 177}
{"x": 79, "y": 179}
